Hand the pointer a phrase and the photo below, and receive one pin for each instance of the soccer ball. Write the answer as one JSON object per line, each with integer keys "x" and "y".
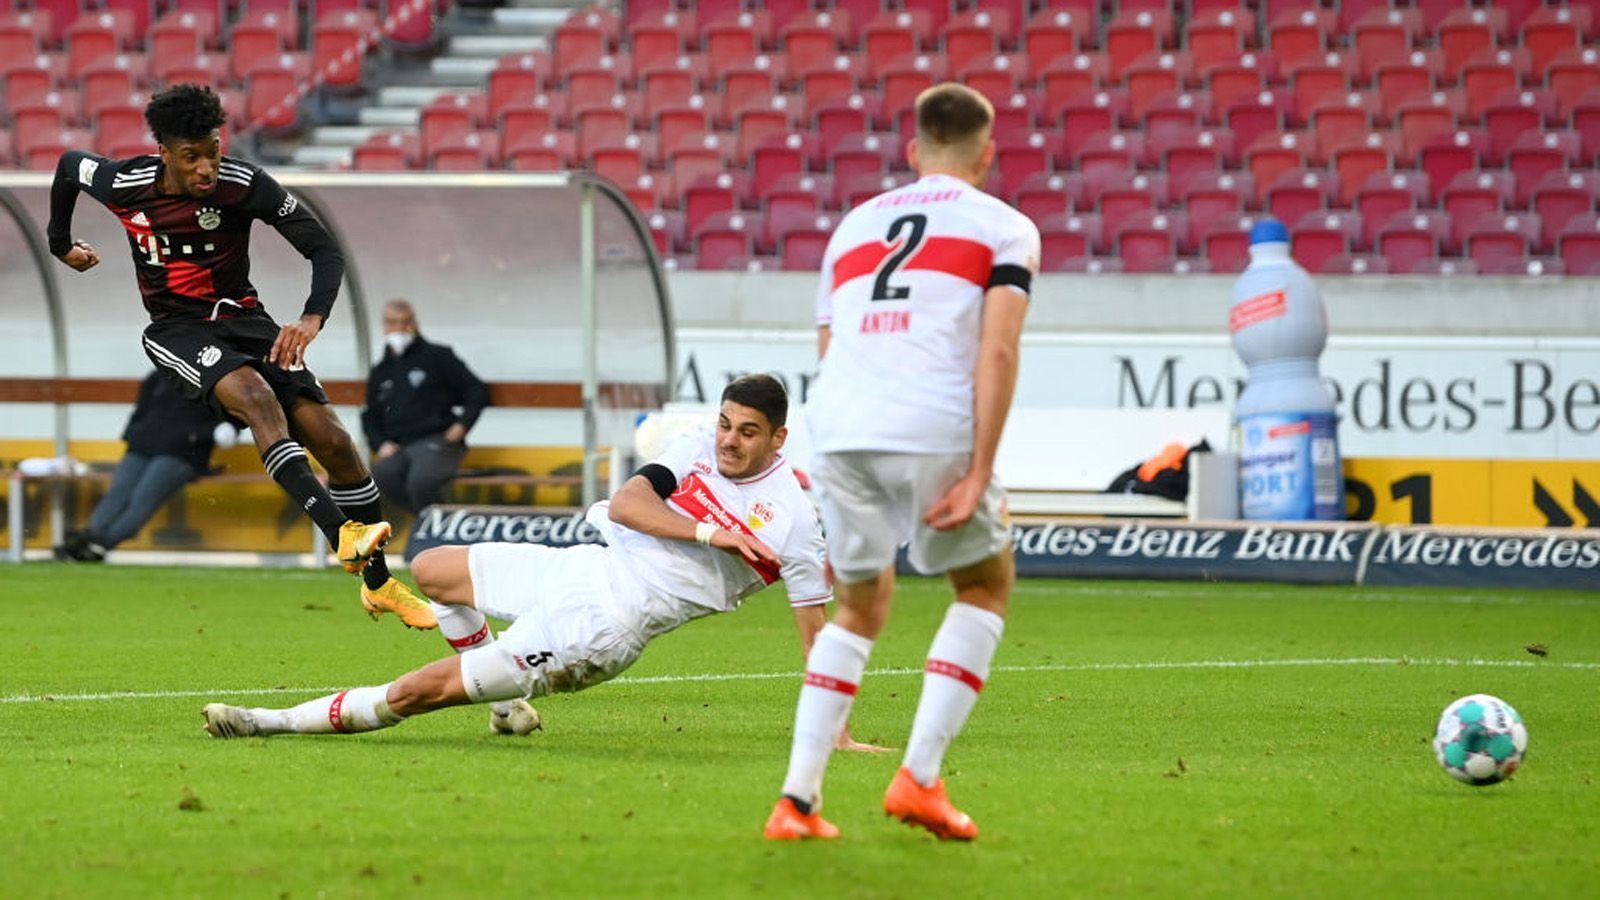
{"x": 1481, "y": 740}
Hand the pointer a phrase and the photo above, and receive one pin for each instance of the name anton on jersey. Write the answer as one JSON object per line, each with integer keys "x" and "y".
{"x": 886, "y": 321}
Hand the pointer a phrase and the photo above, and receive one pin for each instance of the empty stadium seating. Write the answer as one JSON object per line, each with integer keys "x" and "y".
{"x": 1443, "y": 137}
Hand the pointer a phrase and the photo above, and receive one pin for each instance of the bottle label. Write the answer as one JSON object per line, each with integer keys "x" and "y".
{"x": 1289, "y": 467}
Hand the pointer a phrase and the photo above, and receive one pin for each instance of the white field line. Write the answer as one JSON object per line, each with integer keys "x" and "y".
{"x": 767, "y": 676}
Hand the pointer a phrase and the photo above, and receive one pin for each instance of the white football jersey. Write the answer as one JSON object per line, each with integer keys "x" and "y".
{"x": 902, "y": 292}
{"x": 698, "y": 580}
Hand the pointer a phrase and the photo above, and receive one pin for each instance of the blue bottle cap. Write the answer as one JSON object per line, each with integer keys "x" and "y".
{"x": 1269, "y": 231}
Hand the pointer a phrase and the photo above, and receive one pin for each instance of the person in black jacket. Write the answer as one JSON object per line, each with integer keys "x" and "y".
{"x": 169, "y": 440}
{"x": 421, "y": 402}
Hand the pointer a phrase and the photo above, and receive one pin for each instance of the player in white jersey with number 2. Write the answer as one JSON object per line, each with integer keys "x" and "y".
{"x": 715, "y": 519}
{"x": 920, "y": 310}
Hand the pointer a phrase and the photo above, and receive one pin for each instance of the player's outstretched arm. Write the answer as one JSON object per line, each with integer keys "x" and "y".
{"x": 74, "y": 171}
{"x": 641, "y": 505}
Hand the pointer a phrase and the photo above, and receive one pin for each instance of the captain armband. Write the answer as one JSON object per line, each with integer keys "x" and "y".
{"x": 1011, "y": 276}
{"x": 660, "y": 477}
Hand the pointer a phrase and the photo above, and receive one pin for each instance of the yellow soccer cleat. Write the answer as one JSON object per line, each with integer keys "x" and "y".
{"x": 357, "y": 543}
{"x": 394, "y": 597}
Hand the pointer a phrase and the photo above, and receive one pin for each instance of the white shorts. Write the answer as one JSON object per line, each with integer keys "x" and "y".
{"x": 873, "y": 503}
{"x": 568, "y": 629}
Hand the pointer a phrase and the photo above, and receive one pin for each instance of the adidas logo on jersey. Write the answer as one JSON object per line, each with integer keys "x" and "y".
{"x": 140, "y": 219}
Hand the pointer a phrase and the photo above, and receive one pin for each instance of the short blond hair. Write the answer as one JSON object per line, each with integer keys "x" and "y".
{"x": 953, "y": 120}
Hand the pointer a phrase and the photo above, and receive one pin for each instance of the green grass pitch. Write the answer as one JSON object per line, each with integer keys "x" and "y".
{"x": 1136, "y": 739}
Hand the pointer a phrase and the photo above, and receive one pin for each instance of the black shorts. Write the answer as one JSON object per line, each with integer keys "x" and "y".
{"x": 197, "y": 353}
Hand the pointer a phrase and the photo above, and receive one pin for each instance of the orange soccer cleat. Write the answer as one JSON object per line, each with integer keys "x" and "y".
{"x": 928, "y": 807}
{"x": 357, "y": 543}
{"x": 788, "y": 823}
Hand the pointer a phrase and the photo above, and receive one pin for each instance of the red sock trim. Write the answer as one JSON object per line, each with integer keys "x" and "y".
{"x": 951, "y": 670}
{"x": 828, "y": 682}
{"x": 335, "y": 718}
{"x": 471, "y": 639}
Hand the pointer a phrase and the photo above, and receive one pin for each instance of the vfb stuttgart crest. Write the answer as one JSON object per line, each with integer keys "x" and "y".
{"x": 210, "y": 355}
{"x": 210, "y": 218}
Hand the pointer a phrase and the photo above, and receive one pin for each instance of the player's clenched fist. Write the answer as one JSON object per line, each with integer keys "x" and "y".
{"x": 81, "y": 257}
{"x": 289, "y": 350}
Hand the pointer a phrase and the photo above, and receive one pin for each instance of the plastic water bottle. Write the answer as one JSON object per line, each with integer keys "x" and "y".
{"x": 1288, "y": 441}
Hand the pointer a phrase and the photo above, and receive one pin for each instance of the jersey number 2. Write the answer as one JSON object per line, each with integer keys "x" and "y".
{"x": 917, "y": 224}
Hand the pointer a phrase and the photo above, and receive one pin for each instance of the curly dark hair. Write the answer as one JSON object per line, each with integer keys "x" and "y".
{"x": 762, "y": 393}
{"x": 184, "y": 112}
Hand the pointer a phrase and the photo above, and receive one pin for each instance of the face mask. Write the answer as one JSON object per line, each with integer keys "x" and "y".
{"x": 398, "y": 341}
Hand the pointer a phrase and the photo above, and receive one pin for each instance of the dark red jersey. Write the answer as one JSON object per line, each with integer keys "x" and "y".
{"x": 190, "y": 253}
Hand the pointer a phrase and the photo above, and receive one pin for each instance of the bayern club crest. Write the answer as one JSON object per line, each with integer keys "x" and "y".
{"x": 210, "y": 218}
{"x": 209, "y": 356}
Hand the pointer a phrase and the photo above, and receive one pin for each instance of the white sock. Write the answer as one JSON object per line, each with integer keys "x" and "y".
{"x": 466, "y": 629}
{"x": 958, "y": 664}
{"x": 833, "y": 674}
{"x": 347, "y": 712}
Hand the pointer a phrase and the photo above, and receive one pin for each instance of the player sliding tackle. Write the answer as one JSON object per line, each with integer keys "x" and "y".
{"x": 714, "y": 520}
{"x": 188, "y": 213}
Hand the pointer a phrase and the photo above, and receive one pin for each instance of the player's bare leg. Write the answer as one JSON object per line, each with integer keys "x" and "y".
{"x": 444, "y": 576}
{"x": 247, "y": 396}
{"x": 351, "y": 486}
{"x": 958, "y": 664}
{"x": 833, "y": 675}
{"x": 434, "y": 686}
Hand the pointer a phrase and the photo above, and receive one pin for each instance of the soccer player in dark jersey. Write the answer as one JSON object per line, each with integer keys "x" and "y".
{"x": 188, "y": 213}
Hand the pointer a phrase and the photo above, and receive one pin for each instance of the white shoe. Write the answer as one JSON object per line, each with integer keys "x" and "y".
{"x": 514, "y": 717}
{"x": 224, "y": 721}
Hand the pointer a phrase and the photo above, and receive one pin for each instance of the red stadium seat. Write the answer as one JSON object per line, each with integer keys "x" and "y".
{"x": 1120, "y": 198}
{"x": 474, "y": 151}
{"x": 782, "y": 155}
{"x": 816, "y": 193}
{"x": 893, "y": 36}
{"x": 95, "y": 35}
{"x": 59, "y": 16}
{"x": 1586, "y": 122}
{"x": 755, "y": 126}
{"x": 1176, "y": 117}
{"x": 1382, "y": 35}
{"x": 449, "y": 117}
{"x": 1494, "y": 238}
{"x": 937, "y": 11}
{"x": 1146, "y": 240}
{"x": 1357, "y": 161}
{"x": 182, "y": 34}
{"x": 1089, "y": 115}
{"x": 517, "y": 80}
{"x": 1561, "y": 198}
{"x": 1055, "y": 33}
{"x": 1218, "y": 35}
{"x": 1550, "y": 32}
{"x": 660, "y": 38}
{"x": 553, "y": 151}
{"x": 995, "y": 75}
{"x": 871, "y": 154}
{"x": 1240, "y": 78}
{"x": 258, "y": 38}
{"x": 712, "y": 193}
{"x": 1412, "y": 238}
{"x": 1064, "y": 237}
{"x": 1134, "y": 33}
{"x": 1020, "y": 111}
{"x": 1533, "y": 156}
{"x": 207, "y": 68}
{"x": 389, "y": 151}
{"x": 110, "y": 80}
{"x": 1256, "y": 116}
{"x": 905, "y": 78}
{"x": 622, "y": 161}
{"x": 1272, "y": 155}
{"x": 1153, "y": 75}
{"x": 1188, "y": 160}
{"x": 1574, "y": 75}
{"x": 40, "y": 152}
{"x": 724, "y": 236}
{"x": 1320, "y": 236}
{"x": 602, "y": 123}
{"x": 1066, "y": 79}
{"x": 1469, "y": 196}
{"x": 338, "y": 45}
{"x": 524, "y": 124}
{"x": 802, "y": 245}
{"x": 1297, "y": 193}
{"x": 1215, "y": 197}
{"x": 23, "y": 34}
{"x": 1019, "y": 156}
{"x": 1467, "y": 31}
{"x": 272, "y": 83}
{"x": 1442, "y": 157}
{"x": 1490, "y": 75}
{"x": 1386, "y": 194}
{"x": 711, "y": 154}
{"x": 1045, "y": 194}
{"x": 974, "y": 35}
{"x": 1111, "y": 152}
{"x": 1579, "y": 246}
{"x": 1227, "y": 244}
{"x": 1300, "y": 35}
{"x": 667, "y": 231}
{"x": 120, "y": 126}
